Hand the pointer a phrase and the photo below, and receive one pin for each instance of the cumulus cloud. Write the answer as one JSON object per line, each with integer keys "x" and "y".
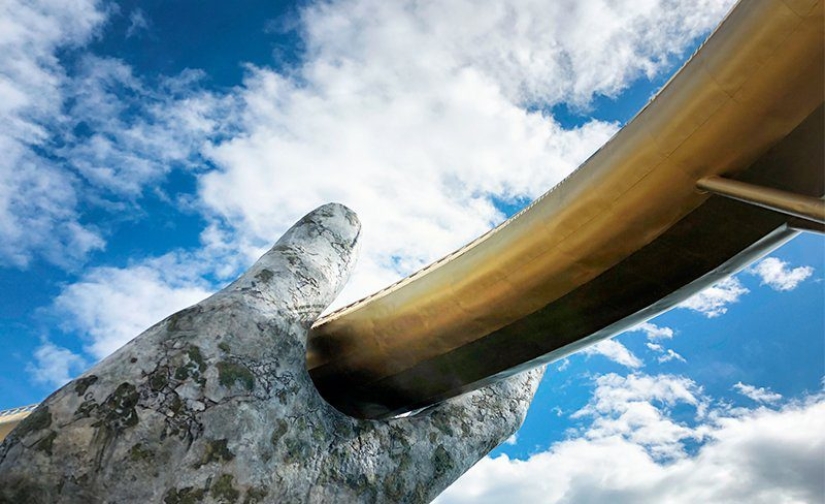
{"x": 54, "y": 365}
{"x": 713, "y": 301}
{"x": 420, "y": 116}
{"x": 614, "y": 351}
{"x": 758, "y": 394}
{"x": 110, "y": 306}
{"x": 632, "y": 452}
{"x": 423, "y": 117}
{"x": 775, "y": 273}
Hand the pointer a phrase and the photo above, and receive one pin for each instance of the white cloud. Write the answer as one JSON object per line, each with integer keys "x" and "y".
{"x": 139, "y": 134}
{"x": 54, "y": 365}
{"x": 137, "y": 23}
{"x": 417, "y": 115}
{"x": 713, "y": 301}
{"x": 652, "y": 331}
{"x": 758, "y": 394}
{"x": 746, "y": 456}
{"x": 534, "y": 51}
{"x": 38, "y": 203}
{"x": 91, "y": 137}
{"x": 775, "y": 273}
{"x": 667, "y": 353}
{"x": 614, "y": 351}
{"x": 110, "y": 306}
{"x": 414, "y": 115}
{"x": 670, "y": 355}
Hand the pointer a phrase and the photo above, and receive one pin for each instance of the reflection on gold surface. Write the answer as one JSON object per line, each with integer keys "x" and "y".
{"x": 736, "y": 109}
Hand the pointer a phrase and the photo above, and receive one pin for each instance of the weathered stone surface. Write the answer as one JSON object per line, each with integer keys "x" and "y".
{"x": 214, "y": 404}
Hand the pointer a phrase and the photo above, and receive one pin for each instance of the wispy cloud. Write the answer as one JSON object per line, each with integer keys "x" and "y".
{"x": 137, "y": 23}
{"x": 670, "y": 355}
{"x": 758, "y": 394}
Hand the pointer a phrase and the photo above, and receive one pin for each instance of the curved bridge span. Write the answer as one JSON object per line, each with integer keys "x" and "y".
{"x": 722, "y": 166}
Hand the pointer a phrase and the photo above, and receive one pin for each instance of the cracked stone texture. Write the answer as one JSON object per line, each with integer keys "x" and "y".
{"x": 214, "y": 404}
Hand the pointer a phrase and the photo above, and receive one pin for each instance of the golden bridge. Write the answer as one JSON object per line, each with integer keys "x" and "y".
{"x": 722, "y": 166}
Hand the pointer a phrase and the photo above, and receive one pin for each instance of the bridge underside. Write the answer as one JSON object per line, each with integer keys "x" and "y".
{"x": 625, "y": 237}
{"x": 718, "y": 238}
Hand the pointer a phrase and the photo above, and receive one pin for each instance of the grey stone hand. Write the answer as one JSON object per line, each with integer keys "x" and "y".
{"x": 214, "y": 404}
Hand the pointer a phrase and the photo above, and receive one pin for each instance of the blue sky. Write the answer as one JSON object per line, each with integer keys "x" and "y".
{"x": 154, "y": 149}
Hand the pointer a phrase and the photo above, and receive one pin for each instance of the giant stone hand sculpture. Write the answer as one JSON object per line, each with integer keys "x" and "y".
{"x": 214, "y": 404}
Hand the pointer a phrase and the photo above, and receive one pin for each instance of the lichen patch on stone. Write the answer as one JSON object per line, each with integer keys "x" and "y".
{"x": 230, "y": 373}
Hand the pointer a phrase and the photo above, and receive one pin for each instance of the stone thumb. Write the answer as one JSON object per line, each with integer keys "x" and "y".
{"x": 307, "y": 268}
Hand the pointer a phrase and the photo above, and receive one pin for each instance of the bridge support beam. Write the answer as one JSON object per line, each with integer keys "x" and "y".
{"x": 788, "y": 203}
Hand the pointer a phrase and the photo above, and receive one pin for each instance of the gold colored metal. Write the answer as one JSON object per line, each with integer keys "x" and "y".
{"x": 10, "y": 418}
{"x": 796, "y": 205}
{"x": 623, "y": 238}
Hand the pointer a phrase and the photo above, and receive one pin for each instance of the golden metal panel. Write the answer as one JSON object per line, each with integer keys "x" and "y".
{"x": 805, "y": 207}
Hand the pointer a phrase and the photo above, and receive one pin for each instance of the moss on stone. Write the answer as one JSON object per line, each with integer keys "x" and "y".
{"x": 280, "y": 429}
{"x": 223, "y": 490}
{"x": 182, "y": 373}
{"x": 173, "y": 321}
{"x": 265, "y": 275}
{"x": 45, "y": 444}
{"x": 296, "y": 450}
{"x": 119, "y": 408}
{"x": 319, "y": 434}
{"x": 174, "y": 403}
{"x": 442, "y": 461}
{"x": 255, "y": 495}
{"x": 394, "y": 487}
{"x": 86, "y": 409}
{"x": 230, "y": 372}
{"x": 158, "y": 380}
{"x": 40, "y": 419}
{"x": 81, "y": 384}
{"x": 139, "y": 453}
{"x": 195, "y": 356}
{"x": 194, "y": 367}
{"x": 223, "y": 346}
{"x": 216, "y": 451}
{"x": 185, "y": 495}
{"x": 442, "y": 423}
